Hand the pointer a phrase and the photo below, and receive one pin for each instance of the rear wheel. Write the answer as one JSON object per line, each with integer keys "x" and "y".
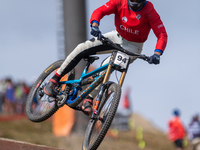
{"x": 97, "y": 128}
{"x": 40, "y": 106}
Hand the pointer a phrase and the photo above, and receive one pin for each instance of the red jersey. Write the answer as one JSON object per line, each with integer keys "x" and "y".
{"x": 134, "y": 26}
{"x": 176, "y": 129}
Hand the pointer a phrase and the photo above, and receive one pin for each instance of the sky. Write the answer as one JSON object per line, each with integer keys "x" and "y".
{"x": 29, "y": 43}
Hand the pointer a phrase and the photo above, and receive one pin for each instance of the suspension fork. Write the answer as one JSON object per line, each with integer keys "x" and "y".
{"x": 103, "y": 88}
{"x": 121, "y": 81}
{"x": 108, "y": 71}
{"x": 111, "y": 64}
{"x": 107, "y": 76}
{"x": 107, "y": 83}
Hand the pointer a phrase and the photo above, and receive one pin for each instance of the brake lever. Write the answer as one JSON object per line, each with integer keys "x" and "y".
{"x": 144, "y": 57}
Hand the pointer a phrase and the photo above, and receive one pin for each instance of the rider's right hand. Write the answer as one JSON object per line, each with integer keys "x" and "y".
{"x": 96, "y": 32}
{"x": 154, "y": 59}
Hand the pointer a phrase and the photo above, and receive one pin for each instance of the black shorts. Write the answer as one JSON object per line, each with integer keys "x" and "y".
{"x": 179, "y": 143}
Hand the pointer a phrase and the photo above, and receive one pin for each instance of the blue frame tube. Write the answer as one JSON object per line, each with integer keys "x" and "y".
{"x": 86, "y": 75}
{"x": 78, "y": 99}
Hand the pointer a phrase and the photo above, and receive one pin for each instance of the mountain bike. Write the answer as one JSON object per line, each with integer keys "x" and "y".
{"x": 40, "y": 106}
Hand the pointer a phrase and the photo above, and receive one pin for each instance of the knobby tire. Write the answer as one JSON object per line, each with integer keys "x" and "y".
{"x": 40, "y": 110}
{"x": 107, "y": 110}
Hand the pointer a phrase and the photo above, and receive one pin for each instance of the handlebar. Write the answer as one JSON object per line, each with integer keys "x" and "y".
{"x": 107, "y": 41}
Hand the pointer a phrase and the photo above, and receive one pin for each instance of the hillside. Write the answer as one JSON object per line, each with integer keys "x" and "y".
{"x": 41, "y": 133}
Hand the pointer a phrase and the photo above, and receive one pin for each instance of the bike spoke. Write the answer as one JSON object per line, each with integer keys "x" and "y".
{"x": 43, "y": 102}
{"x": 101, "y": 119}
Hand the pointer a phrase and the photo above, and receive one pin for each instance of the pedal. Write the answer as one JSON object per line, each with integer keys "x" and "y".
{"x": 61, "y": 100}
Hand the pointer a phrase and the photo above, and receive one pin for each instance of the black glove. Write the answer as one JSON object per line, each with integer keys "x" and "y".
{"x": 96, "y": 32}
{"x": 154, "y": 59}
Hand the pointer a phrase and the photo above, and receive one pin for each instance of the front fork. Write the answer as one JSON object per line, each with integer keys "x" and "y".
{"x": 103, "y": 89}
{"x": 105, "y": 85}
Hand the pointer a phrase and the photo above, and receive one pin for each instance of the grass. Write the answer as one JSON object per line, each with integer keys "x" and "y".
{"x": 41, "y": 133}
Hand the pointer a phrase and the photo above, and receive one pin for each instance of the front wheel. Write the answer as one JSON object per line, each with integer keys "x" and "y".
{"x": 40, "y": 106}
{"x": 97, "y": 128}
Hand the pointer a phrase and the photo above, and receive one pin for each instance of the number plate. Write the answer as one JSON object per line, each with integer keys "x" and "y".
{"x": 121, "y": 59}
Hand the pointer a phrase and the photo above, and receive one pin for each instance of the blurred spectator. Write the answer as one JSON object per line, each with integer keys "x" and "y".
{"x": 2, "y": 93}
{"x": 1, "y": 97}
{"x": 9, "y": 104}
{"x": 176, "y": 131}
{"x": 13, "y": 96}
{"x": 26, "y": 90}
{"x": 194, "y": 133}
{"x": 19, "y": 97}
{"x": 21, "y": 93}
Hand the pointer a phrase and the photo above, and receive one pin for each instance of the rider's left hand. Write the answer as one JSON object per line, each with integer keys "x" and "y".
{"x": 154, "y": 59}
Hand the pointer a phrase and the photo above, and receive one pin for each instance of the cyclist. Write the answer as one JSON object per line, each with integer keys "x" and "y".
{"x": 176, "y": 131}
{"x": 194, "y": 132}
{"x": 133, "y": 21}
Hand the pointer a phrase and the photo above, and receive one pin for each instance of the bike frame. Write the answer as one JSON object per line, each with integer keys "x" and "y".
{"x": 74, "y": 102}
{"x": 105, "y": 70}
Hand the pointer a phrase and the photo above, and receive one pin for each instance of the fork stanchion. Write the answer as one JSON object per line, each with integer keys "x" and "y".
{"x": 107, "y": 76}
{"x": 122, "y": 78}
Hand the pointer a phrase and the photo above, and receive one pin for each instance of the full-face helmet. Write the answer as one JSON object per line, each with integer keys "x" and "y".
{"x": 135, "y": 5}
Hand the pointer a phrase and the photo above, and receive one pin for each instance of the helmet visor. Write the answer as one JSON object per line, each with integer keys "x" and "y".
{"x": 135, "y": 4}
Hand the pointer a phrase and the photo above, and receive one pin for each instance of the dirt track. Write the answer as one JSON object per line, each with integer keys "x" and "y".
{"x": 7, "y": 144}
